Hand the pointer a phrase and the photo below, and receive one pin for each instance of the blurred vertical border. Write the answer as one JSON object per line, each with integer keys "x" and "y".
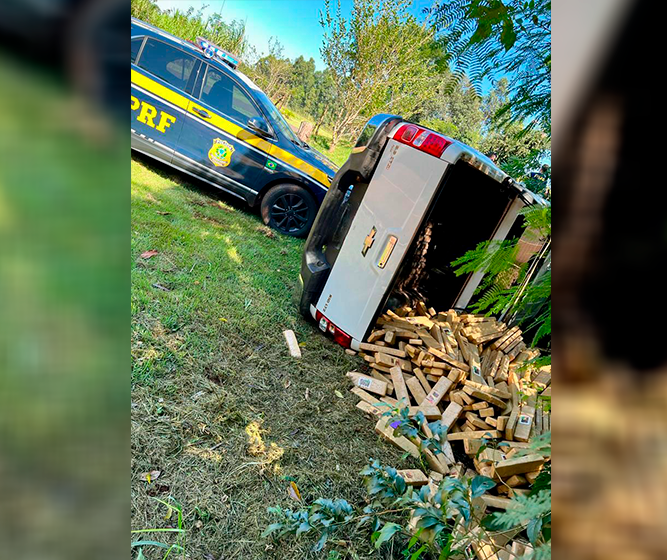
{"x": 609, "y": 250}
{"x": 64, "y": 279}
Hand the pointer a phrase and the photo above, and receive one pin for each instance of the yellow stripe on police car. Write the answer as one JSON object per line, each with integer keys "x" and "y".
{"x": 148, "y": 115}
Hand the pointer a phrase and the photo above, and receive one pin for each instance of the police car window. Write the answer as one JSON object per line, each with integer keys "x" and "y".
{"x": 221, "y": 92}
{"x": 170, "y": 64}
{"x": 276, "y": 117}
{"x": 136, "y": 46}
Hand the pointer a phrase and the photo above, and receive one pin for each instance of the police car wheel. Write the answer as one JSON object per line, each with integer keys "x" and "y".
{"x": 289, "y": 209}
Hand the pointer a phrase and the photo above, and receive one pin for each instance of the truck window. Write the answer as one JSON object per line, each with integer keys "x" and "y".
{"x": 221, "y": 93}
{"x": 166, "y": 62}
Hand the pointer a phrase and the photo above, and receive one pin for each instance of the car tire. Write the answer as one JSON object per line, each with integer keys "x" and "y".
{"x": 289, "y": 209}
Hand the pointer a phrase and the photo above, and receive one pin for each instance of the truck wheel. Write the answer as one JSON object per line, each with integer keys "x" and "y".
{"x": 289, "y": 209}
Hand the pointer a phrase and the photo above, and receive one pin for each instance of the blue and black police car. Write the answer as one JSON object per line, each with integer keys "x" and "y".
{"x": 193, "y": 109}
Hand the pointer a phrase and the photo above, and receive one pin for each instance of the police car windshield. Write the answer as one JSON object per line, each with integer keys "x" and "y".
{"x": 277, "y": 117}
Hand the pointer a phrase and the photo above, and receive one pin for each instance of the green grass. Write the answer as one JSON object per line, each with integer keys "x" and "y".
{"x": 322, "y": 141}
{"x": 218, "y": 405}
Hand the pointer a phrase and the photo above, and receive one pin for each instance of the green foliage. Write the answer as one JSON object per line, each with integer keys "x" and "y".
{"x": 538, "y": 218}
{"x": 413, "y": 427}
{"x": 385, "y": 534}
{"x": 512, "y": 37}
{"x": 323, "y": 517}
{"x": 391, "y": 505}
{"x": 438, "y": 124}
{"x": 518, "y": 148}
{"x": 273, "y": 73}
{"x": 533, "y": 511}
{"x": 303, "y": 83}
{"x": 492, "y": 256}
{"x": 505, "y": 287}
{"x": 380, "y": 60}
{"x": 191, "y": 23}
{"x": 383, "y": 484}
{"x": 539, "y": 444}
{"x": 460, "y": 104}
{"x": 534, "y": 508}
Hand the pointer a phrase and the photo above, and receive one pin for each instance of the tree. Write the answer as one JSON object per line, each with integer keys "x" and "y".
{"x": 456, "y": 111}
{"x": 513, "y": 37}
{"x": 323, "y": 102}
{"x": 380, "y": 61}
{"x": 273, "y": 72}
{"x": 518, "y": 149}
{"x": 464, "y": 109}
{"x": 302, "y": 83}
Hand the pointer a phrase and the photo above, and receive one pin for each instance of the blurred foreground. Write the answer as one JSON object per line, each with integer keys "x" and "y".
{"x": 610, "y": 245}
{"x": 64, "y": 286}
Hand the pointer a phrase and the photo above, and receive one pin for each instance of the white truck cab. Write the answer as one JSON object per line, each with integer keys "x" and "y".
{"x": 406, "y": 204}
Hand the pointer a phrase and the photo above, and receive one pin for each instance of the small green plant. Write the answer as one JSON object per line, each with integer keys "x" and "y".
{"x": 490, "y": 443}
{"x": 324, "y": 517}
{"x": 428, "y": 436}
{"x": 179, "y": 546}
{"x": 429, "y": 523}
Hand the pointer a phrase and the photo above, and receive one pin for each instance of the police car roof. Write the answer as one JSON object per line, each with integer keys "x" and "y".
{"x": 195, "y": 49}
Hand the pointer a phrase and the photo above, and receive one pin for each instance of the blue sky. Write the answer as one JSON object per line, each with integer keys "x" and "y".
{"x": 294, "y": 22}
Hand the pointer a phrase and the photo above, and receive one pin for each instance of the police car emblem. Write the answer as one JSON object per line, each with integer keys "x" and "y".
{"x": 220, "y": 153}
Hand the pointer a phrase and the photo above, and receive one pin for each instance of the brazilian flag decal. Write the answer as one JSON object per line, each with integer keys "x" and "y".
{"x": 270, "y": 165}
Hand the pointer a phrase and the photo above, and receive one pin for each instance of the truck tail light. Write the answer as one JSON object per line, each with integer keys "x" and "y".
{"x": 422, "y": 139}
{"x": 407, "y": 133}
{"x": 327, "y": 326}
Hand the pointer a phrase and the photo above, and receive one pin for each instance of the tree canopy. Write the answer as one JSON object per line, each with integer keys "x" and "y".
{"x": 488, "y": 38}
{"x": 381, "y": 60}
{"x": 191, "y": 23}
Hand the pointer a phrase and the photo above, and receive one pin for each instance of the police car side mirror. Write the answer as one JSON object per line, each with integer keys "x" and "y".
{"x": 258, "y": 125}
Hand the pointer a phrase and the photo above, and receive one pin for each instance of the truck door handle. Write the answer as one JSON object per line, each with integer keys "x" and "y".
{"x": 201, "y": 112}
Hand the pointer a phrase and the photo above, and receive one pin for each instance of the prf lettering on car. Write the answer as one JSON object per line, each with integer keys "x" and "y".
{"x": 147, "y": 114}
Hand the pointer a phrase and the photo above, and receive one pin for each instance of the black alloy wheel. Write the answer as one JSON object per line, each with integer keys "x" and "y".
{"x": 289, "y": 209}
{"x": 290, "y": 213}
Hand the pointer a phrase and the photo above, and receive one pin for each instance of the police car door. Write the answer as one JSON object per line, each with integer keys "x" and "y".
{"x": 160, "y": 75}
{"x": 212, "y": 141}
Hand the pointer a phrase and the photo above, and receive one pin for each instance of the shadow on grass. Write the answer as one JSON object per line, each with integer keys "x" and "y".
{"x": 191, "y": 183}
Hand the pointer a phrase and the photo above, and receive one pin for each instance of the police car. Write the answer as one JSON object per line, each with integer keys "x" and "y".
{"x": 193, "y": 109}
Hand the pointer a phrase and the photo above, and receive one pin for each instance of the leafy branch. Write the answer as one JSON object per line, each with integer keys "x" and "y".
{"x": 435, "y": 521}
{"x": 509, "y": 287}
{"x": 427, "y": 436}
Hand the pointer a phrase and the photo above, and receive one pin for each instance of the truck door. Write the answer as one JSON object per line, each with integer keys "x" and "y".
{"x": 160, "y": 75}
{"x": 390, "y": 214}
{"x": 212, "y": 141}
